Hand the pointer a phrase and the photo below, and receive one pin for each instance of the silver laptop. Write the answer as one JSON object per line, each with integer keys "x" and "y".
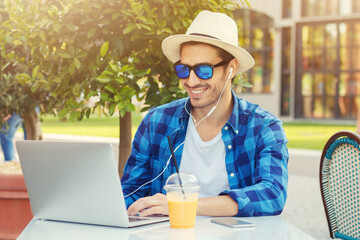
{"x": 75, "y": 182}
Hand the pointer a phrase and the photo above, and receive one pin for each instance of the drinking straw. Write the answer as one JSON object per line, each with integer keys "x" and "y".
{"x": 176, "y": 166}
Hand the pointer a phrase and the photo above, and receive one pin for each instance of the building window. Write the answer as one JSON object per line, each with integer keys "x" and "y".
{"x": 257, "y": 37}
{"x": 328, "y": 73}
{"x": 285, "y": 72}
{"x": 286, "y": 8}
{"x": 311, "y": 8}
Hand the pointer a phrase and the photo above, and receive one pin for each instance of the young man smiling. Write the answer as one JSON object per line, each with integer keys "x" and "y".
{"x": 236, "y": 149}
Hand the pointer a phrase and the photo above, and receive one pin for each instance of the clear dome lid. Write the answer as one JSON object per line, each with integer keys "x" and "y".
{"x": 188, "y": 181}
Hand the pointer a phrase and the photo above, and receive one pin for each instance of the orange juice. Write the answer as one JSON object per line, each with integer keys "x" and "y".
{"x": 182, "y": 210}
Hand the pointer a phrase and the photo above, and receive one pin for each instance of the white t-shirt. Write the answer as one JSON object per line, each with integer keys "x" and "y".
{"x": 205, "y": 160}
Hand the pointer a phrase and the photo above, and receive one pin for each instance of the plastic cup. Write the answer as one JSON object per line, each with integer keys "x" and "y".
{"x": 182, "y": 201}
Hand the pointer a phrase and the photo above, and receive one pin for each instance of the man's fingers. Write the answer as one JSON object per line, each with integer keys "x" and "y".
{"x": 155, "y": 210}
{"x": 147, "y": 202}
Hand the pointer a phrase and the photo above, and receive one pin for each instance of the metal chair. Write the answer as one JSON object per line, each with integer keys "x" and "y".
{"x": 340, "y": 184}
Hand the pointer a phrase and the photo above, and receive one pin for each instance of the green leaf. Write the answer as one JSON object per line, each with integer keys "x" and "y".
{"x": 34, "y": 88}
{"x": 63, "y": 113}
{"x": 246, "y": 84}
{"x": 104, "y": 48}
{"x": 71, "y": 27}
{"x": 72, "y": 68}
{"x": 108, "y": 73}
{"x": 57, "y": 27}
{"x": 74, "y": 115}
{"x": 176, "y": 24}
{"x": 130, "y": 107}
{"x": 65, "y": 55}
{"x": 24, "y": 78}
{"x": 122, "y": 112}
{"x": 57, "y": 80}
{"x": 113, "y": 67}
{"x": 174, "y": 89}
{"x": 76, "y": 89}
{"x": 103, "y": 79}
{"x": 104, "y": 96}
{"x": 80, "y": 53}
{"x": 91, "y": 33}
{"x": 33, "y": 50}
{"x": 145, "y": 26}
{"x": 109, "y": 10}
{"x": 115, "y": 16}
{"x": 110, "y": 88}
{"x": 117, "y": 98}
{"x": 142, "y": 72}
{"x": 166, "y": 10}
{"x": 129, "y": 28}
{"x": 124, "y": 90}
{"x": 17, "y": 42}
{"x": 81, "y": 116}
{"x": 7, "y": 24}
{"x": 88, "y": 112}
{"x": 112, "y": 108}
{"x": 165, "y": 99}
{"x": 35, "y": 71}
{"x": 91, "y": 94}
{"x": 43, "y": 36}
{"x": 11, "y": 55}
{"x": 86, "y": 21}
{"x": 144, "y": 109}
{"x": 77, "y": 63}
{"x": 34, "y": 34}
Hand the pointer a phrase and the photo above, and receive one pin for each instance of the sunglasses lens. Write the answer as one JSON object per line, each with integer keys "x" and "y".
{"x": 204, "y": 71}
{"x": 182, "y": 71}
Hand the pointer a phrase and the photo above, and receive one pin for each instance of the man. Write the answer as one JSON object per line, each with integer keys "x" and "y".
{"x": 236, "y": 149}
{"x": 7, "y": 131}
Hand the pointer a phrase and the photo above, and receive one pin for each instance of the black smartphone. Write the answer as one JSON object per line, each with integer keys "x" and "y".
{"x": 233, "y": 222}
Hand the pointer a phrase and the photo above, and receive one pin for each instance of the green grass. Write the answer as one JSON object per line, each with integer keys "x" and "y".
{"x": 94, "y": 126}
{"x": 312, "y": 135}
{"x": 300, "y": 135}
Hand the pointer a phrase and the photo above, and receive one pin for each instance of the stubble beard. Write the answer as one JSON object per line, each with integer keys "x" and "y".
{"x": 209, "y": 103}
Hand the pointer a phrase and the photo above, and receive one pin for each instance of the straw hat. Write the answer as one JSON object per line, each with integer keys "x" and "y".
{"x": 212, "y": 28}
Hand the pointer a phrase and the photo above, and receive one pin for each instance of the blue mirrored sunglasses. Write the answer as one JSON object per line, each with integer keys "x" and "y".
{"x": 203, "y": 71}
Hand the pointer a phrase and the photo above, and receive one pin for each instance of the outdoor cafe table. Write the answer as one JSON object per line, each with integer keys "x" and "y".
{"x": 269, "y": 228}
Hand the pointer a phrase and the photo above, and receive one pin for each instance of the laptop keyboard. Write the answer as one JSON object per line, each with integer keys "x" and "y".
{"x": 136, "y": 219}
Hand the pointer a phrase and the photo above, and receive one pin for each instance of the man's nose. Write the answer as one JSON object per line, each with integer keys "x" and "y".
{"x": 193, "y": 80}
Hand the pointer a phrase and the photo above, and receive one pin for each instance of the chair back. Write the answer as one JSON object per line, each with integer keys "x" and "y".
{"x": 340, "y": 184}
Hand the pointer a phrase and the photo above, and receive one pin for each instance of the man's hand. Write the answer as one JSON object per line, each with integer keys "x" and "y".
{"x": 146, "y": 206}
{"x": 5, "y": 118}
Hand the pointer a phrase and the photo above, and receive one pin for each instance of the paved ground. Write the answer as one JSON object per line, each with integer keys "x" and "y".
{"x": 303, "y": 208}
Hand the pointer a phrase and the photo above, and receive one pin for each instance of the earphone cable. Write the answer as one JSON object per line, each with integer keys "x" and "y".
{"x": 167, "y": 163}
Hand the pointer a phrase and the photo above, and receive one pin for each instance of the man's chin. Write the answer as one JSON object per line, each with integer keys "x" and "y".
{"x": 199, "y": 104}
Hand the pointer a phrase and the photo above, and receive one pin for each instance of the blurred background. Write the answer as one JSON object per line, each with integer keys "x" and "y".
{"x": 89, "y": 71}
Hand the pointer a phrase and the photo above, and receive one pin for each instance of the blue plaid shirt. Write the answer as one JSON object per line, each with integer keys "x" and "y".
{"x": 256, "y": 155}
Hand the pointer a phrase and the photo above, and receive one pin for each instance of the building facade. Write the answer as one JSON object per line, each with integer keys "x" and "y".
{"x": 307, "y": 55}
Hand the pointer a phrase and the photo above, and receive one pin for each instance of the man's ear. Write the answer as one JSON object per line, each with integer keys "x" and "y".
{"x": 234, "y": 64}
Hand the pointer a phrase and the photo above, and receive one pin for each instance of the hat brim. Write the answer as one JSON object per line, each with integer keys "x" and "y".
{"x": 171, "y": 49}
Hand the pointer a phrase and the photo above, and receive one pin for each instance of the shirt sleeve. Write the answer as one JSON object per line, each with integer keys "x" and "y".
{"x": 268, "y": 193}
{"x": 137, "y": 168}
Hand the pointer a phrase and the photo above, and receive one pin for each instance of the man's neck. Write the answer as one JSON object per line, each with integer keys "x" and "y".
{"x": 212, "y": 125}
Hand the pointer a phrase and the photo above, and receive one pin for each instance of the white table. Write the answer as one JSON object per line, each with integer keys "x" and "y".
{"x": 269, "y": 228}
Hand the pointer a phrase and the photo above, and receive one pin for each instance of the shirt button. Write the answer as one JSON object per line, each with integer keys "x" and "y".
{"x": 226, "y": 128}
{"x": 232, "y": 174}
{"x": 229, "y": 146}
{"x": 236, "y": 131}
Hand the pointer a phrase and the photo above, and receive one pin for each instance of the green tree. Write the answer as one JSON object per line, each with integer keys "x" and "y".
{"x": 67, "y": 51}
